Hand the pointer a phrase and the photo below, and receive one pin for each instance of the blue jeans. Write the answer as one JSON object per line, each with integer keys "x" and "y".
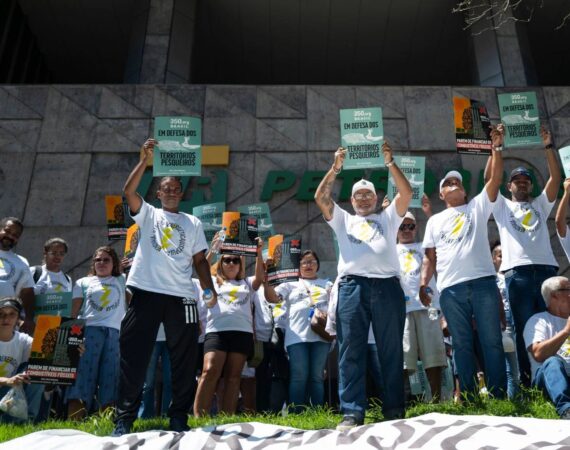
{"x": 523, "y": 287}
{"x": 553, "y": 379}
{"x": 146, "y": 409}
{"x": 374, "y": 367}
{"x": 307, "y": 362}
{"x": 362, "y": 301}
{"x": 460, "y": 303}
{"x": 34, "y": 393}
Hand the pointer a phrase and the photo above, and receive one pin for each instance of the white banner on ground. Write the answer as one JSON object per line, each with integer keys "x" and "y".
{"x": 429, "y": 431}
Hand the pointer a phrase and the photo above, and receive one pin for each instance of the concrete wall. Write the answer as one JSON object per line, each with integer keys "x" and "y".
{"x": 63, "y": 148}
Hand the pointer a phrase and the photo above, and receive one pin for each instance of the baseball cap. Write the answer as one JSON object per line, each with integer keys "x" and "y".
{"x": 450, "y": 174}
{"x": 409, "y": 215}
{"x": 11, "y": 302}
{"x": 363, "y": 184}
{"x": 520, "y": 171}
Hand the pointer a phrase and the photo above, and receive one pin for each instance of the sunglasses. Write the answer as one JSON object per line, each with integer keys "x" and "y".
{"x": 231, "y": 260}
{"x": 102, "y": 260}
{"x": 408, "y": 226}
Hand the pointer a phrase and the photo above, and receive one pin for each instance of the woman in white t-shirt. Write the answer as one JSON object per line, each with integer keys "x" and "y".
{"x": 229, "y": 332}
{"x": 99, "y": 298}
{"x": 307, "y": 349}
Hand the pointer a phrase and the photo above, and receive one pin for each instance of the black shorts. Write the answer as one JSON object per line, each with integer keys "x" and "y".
{"x": 229, "y": 342}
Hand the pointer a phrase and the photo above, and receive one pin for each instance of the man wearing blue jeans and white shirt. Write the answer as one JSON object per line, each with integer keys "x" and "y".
{"x": 547, "y": 339}
{"x": 525, "y": 241}
{"x": 369, "y": 289}
{"x": 456, "y": 243}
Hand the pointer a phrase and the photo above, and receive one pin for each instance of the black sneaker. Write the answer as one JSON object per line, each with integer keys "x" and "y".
{"x": 348, "y": 423}
{"x": 121, "y": 427}
{"x": 178, "y": 424}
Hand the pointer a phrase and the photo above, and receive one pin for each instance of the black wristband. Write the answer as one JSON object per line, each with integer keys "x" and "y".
{"x": 548, "y": 147}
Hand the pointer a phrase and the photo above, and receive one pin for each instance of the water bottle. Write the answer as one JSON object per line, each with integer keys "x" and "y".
{"x": 433, "y": 313}
{"x": 208, "y": 297}
{"x": 221, "y": 238}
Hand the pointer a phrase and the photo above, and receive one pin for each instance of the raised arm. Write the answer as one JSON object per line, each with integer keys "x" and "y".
{"x": 259, "y": 266}
{"x": 323, "y": 194}
{"x": 496, "y": 176}
{"x": 551, "y": 187}
{"x": 404, "y": 196}
{"x": 562, "y": 210}
{"x": 428, "y": 269}
{"x": 130, "y": 189}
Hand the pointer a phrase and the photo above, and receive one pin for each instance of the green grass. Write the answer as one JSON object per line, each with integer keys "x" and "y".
{"x": 532, "y": 404}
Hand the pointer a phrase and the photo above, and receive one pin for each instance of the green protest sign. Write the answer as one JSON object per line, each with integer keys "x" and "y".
{"x": 211, "y": 217}
{"x": 362, "y": 134}
{"x": 414, "y": 168}
{"x": 565, "y": 158}
{"x": 56, "y": 304}
{"x": 179, "y": 146}
{"x": 519, "y": 113}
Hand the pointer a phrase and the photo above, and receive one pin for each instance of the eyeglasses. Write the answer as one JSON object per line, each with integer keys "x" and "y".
{"x": 311, "y": 262}
{"x": 175, "y": 190}
{"x": 56, "y": 253}
{"x": 102, "y": 260}
{"x": 408, "y": 226}
{"x": 231, "y": 261}
{"x": 366, "y": 196}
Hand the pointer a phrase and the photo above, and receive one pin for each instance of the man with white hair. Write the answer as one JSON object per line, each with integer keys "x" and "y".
{"x": 423, "y": 338}
{"x": 369, "y": 289}
{"x": 547, "y": 340}
{"x": 456, "y": 243}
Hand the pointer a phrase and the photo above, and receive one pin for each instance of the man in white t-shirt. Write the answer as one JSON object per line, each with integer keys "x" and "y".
{"x": 456, "y": 244}
{"x": 547, "y": 340}
{"x": 15, "y": 277}
{"x": 369, "y": 289}
{"x": 170, "y": 244}
{"x": 525, "y": 241}
{"x": 423, "y": 338}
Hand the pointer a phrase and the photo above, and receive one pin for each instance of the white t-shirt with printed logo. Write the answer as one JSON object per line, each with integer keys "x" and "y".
{"x": 13, "y": 353}
{"x": 233, "y": 311}
{"x": 367, "y": 245}
{"x": 411, "y": 258}
{"x": 263, "y": 315}
{"x": 14, "y": 274}
{"x": 541, "y": 327}
{"x": 524, "y": 232}
{"x": 167, "y": 243}
{"x": 565, "y": 242}
{"x": 51, "y": 282}
{"x": 459, "y": 236}
{"x": 104, "y": 302}
{"x": 300, "y": 297}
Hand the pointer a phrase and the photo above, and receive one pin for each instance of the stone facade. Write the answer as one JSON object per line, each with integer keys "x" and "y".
{"x": 63, "y": 148}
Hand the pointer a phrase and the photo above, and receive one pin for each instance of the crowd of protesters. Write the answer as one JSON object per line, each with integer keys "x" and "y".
{"x": 494, "y": 315}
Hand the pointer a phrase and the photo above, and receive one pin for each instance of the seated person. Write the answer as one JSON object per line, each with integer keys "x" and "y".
{"x": 15, "y": 350}
{"x": 547, "y": 339}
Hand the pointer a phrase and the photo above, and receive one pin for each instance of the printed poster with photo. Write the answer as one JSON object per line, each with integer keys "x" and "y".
{"x": 519, "y": 114}
{"x": 472, "y": 126}
{"x": 179, "y": 150}
{"x": 286, "y": 256}
{"x": 362, "y": 134}
{"x": 240, "y": 234}
{"x": 263, "y": 215}
{"x": 565, "y": 159}
{"x": 414, "y": 168}
{"x": 132, "y": 241}
{"x": 115, "y": 213}
{"x": 55, "y": 350}
{"x": 211, "y": 217}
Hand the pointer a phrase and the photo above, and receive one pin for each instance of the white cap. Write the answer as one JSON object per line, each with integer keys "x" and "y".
{"x": 450, "y": 174}
{"x": 409, "y": 215}
{"x": 363, "y": 184}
